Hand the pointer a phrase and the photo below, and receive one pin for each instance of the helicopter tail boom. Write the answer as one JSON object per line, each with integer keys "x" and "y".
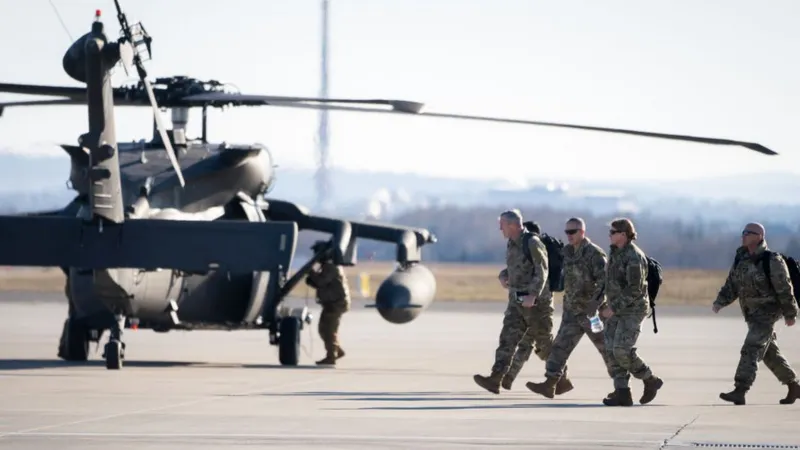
{"x": 89, "y": 60}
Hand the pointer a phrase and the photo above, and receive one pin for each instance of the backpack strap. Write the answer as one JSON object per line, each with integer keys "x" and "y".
{"x": 765, "y": 263}
{"x": 526, "y": 240}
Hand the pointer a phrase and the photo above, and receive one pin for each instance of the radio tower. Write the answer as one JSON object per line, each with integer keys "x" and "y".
{"x": 322, "y": 176}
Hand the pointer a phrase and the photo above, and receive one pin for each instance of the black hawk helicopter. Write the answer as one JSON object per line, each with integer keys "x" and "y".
{"x": 191, "y": 241}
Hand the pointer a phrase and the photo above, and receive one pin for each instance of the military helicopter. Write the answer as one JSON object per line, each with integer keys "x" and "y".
{"x": 191, "y": 241}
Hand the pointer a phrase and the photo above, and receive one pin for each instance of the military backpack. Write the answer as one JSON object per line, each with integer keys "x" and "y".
{"x": 555, "y": 257}
{"x": 654, "y": 279}
{"x": 794, "y": 272}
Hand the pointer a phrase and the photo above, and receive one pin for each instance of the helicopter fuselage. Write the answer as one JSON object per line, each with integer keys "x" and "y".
{"x": 223, "y": 182}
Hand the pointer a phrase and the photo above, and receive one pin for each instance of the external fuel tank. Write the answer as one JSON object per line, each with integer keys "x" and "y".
{"x": 405, "y": 293}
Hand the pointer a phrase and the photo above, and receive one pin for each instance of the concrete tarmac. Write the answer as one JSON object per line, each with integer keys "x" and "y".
{"x": 400, "y": 386}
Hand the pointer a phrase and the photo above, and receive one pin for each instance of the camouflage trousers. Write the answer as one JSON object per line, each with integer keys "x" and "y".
{"x": 570, "y": 332}
{"x": 759, "y": 344}
{"x": 621, "y": 334}
{"x": 329, "y": 320}
{"x": 523, "y": 329}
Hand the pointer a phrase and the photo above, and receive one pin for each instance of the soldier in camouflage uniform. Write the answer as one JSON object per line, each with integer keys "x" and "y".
{"x": 529, "y": 314}
{"x": 527, "y": 344}
{"x": 584, "y": 279}
{"x": 333, "y": 294}
{"x": 523, "y": 352}
{"x": 763, "y": 303}
{"x": 626, "y": 290}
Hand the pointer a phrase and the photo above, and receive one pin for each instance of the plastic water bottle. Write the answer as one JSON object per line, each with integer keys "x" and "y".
{"x": 597, "y": 324}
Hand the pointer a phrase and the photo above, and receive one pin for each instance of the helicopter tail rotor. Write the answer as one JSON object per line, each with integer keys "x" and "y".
{"x": 136, "y": 43}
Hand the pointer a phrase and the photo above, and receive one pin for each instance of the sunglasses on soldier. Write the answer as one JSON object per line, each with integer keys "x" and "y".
{"x": 613, "y": 232}
{"x": 571, "y": 232}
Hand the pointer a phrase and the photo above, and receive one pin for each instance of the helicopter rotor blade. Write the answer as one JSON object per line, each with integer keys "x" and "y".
{"x": 70, "y": 95}
{"x": 220, "y": 99}
{"x": 679, "y": 137}
{"x": 224, "y": 98}
{"x": 162, "y": 131}
{"x": 126, "y": 56}
{"x": 65, "y": 101}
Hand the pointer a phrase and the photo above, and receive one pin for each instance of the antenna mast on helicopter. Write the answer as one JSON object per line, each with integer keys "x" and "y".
{"x": 322, "y": 177}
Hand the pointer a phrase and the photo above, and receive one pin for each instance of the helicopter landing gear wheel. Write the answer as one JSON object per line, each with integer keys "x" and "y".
{"x": 289, "y": 341}
{"x": 115, "y": 349}
{"x": 114, "y": 353}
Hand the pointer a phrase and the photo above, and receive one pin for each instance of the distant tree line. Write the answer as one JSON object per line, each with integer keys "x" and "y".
{"x": 471, "y": 235}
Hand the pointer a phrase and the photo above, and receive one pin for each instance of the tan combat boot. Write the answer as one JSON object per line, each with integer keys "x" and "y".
{"x": 546, "y": 389}
{"x": 339, "y": 352}
{"x": 564, "y": 385}
{"x": 792, "y": 395}
{"x": 490, "y": 383}
{"x": 329, "y": 360}
{"x": 651, "y": 387}
{"x": 735, "y": 396}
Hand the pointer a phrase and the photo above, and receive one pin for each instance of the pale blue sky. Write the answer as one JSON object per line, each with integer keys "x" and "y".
{"x": 722, "y": 68}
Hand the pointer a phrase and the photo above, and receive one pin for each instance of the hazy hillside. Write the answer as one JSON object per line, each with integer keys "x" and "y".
{"x": 471, "y": 235}
{"x": 38, "y": 173}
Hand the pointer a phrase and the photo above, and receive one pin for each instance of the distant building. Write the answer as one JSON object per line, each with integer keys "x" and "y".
{"x": 561, "y": 196}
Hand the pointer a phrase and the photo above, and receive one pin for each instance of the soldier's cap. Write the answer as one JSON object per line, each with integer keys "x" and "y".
{"x": 755, "y": 227}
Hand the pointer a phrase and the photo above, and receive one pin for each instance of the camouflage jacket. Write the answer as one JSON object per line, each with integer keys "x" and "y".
{"x": 522, "y": 275}
{"x": 584, "y": 277}
{"x": 331, "y": 285}
{"x": 626, "y": 281}
{"x": 748, "y": 282}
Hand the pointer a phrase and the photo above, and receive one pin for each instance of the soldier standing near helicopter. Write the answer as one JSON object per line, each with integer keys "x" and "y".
{"x": 333, "y": 294}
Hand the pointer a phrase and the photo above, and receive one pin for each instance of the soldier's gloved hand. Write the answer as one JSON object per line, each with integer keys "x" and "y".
{"x": 790, "y": 322}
